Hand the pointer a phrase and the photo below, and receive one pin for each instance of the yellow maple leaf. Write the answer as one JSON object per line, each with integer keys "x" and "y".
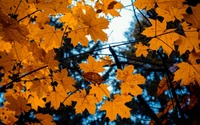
{"x": 141, "y": 49}
{"x": 84, "y": 101}
{"x": 64, "y": 80}
{"x": 117, "y": 106}
{"x": 92, "y": 65}
{"x": 99, "y": 91}
{"x": 56, "y": 97}
{"x": 45, "y": 119}
{"x": 188, "y": 73}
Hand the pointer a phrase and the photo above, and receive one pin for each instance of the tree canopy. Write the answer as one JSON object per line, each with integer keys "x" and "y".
{"x": 52, "y": 69}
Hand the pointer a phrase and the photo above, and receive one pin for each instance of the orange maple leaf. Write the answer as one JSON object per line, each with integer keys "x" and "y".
{"x": 56, "y": 97}
{"x": 194, "y": 18}
{"x": 17, "y": 104}
{"x": 188, "y": 73}
{"x": 150, "y": 4}
{"x": 95, "y": 25}
{"x": 141, "y": 49}
{"x": 92, "y": 65}
{"x": 35, "y": 101}
{"x": 45, "y": 119}
{"x": 117, "y": 106}
{"x": 49, "y": 37}
{"x": 100, "y": 91}
{"x": 171, "y": 13}
{"x": 84, "y": 101}
{"x": 41, "y": 87}
{"x": 130, "y": 81}
{"x": 7, "y": 116}
{"x": 64, "y": 80}
{"x": 161, "y": 37}
{"x": 108, "y": 7}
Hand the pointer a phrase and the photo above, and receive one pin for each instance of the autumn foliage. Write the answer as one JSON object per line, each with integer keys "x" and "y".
{"x": 31, "y": 76}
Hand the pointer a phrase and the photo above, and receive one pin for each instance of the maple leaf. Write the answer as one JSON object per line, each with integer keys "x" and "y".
{"x": 56, "y": 97}
{"x": 51, "y": 38}
{"x": 68, "y": 100}
{"x": 64, "y": 80}
{"x": 11, "y": 30}
{"x": 108, "y": 7}
{"x": 84, "y": 101}
{"x": 35, "y": 101}
{"x": 7, "y": 116}
{"x": 170, "y": 105}
{"x": 107, "y": 60}
{"x": 41, "y": 87}
{"x": 20, "y": 52}
{"x": 188, "y": 73}
{"x": 45, "y": 119}
{"x": 150, "y": 4}
{"x": 7, "y": 5}
{"x": 171, "y": 13}
{"x": 117, "y": 106}
{"x": 127, "y": 71}
{"x": 53, "y": 6}
{"x": 7, "y": 61}
{"x": 189, "y": 42}
{"x": 141, "y": 49}
{"x": 147, "y": 4}
{"x": 49, "y": 59}
{"x": 129, "y": 81}
{"x": 100, "y": 91}
{"x": 77, "y": 36}
{"x": 5, "y": 46}
{"x": 194, "y": 57}
{"x": 194, "y": 18}
{"x": 131, "y": 85}
{"x": 163, "y": 85}
{"x": 162, "y": 37}
{"x": 17, "y": 104}
{"x": 92, "y": 65}
{"x": 95, "y": 25}
{"x": 93, "y": 77}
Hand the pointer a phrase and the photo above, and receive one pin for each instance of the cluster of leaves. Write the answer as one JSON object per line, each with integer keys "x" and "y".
{"x": 31, "y": 77}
